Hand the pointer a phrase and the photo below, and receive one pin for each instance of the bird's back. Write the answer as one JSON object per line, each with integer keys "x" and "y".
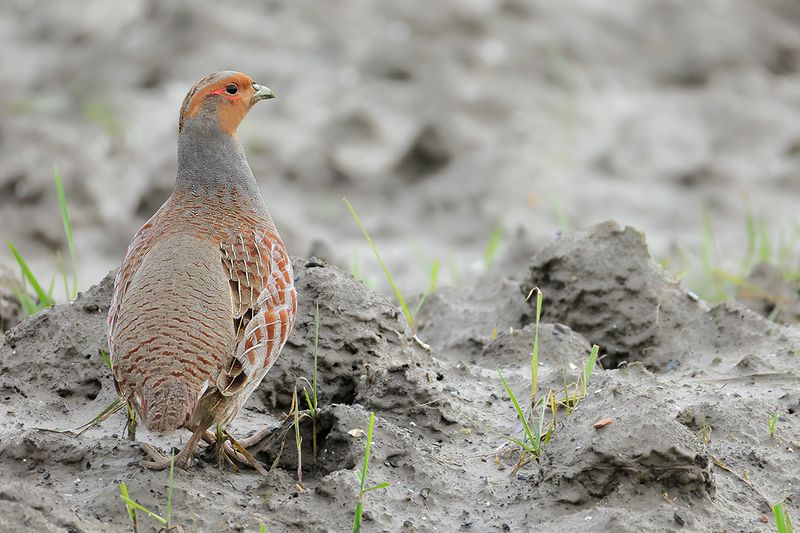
{"x": 172, "y": 331}
{"x": 173, "y": 322}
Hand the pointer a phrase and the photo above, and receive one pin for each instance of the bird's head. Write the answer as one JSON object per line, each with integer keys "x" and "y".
{"x": 221, "y": 100}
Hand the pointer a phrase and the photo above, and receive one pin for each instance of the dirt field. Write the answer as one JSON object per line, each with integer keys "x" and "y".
{"x": 442, "y": 122}
{"x": 689, "y": 391}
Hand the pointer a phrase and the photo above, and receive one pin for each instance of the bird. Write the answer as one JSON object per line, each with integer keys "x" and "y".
{"x": 204, "y": 299}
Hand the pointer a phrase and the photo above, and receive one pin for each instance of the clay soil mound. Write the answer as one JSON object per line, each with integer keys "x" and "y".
{"x": 689, "y": 389}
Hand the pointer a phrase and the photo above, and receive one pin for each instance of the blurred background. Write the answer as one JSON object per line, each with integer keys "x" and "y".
{"x": 466, "y": 133}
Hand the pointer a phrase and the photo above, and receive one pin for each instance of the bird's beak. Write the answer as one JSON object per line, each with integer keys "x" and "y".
{"x": 262, "y": 93}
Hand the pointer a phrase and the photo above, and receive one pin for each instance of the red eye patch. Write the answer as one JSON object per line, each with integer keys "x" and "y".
{"x": 224, "y": 93}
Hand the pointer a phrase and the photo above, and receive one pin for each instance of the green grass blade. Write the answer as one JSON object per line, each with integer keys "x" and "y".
{"x": 262, "y": 528}
{"x": 522, "y": 444}
{"x": 357, "y": 518}
{"x": 124, "y": 495}
{"x": 115, "y": 405}
{"x": 308, "y": 401}
{"x": 367, "y": 451}
{"x": 490, "y": 252}
{"x": 62, "y": 204}
{"x": 106, "y": 359}
{"x": 397, "y": 293}
{"x": 132, "y": 507}
{"x": 432, "y": 283}
{"x": 362, "y": 478}
{"x": 535, "y": 351}
{"x": 376, "y": 487}
{"x": 520, "y": 413}
{"x": 161, "y": 520}
{"x": 297, "y": 437}
{"x": 587, "y": 370}
{"x": 44, "y": 300}
{"x": 538, "y": 443}
{"x": 782, "y": 522}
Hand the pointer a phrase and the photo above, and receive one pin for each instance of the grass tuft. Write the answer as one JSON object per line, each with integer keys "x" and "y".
{"x": 44, "y": 298}
{"x": 716, "y": 282}
{"x": 539, "y": 434}
{"x": 362, "y": 479}
{"x": 533, "y": 445}
{"x": 772, "y": 421}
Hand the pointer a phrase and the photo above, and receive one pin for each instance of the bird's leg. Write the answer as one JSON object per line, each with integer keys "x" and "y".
{"x": 181, "y": 460}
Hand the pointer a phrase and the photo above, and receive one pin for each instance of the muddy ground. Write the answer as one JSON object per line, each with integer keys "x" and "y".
{"x": 689, "y": 388}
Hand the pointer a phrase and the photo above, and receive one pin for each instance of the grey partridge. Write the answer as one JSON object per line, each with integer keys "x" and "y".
{"x": 204, "y": 299}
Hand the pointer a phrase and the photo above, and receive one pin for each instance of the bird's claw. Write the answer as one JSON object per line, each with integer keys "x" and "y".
{"x": 160, "y": 462}
{"x": 233, "y": 451}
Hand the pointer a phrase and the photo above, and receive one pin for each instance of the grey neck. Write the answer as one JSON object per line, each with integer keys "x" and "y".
{"x": 210, "y": 161}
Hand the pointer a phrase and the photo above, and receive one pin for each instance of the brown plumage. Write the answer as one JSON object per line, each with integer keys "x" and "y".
{"x": 204, "y": 299}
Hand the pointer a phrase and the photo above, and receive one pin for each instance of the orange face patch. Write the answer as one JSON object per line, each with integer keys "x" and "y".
{"x": 229, "y": 108}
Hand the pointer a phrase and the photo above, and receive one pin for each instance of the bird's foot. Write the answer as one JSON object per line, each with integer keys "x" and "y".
{"x": 233, "y": 451}
{"x": 158, "y": 461}
{"x": 257, "y": 437}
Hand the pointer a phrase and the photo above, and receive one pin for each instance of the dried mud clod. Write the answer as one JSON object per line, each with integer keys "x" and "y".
{"x": 458, "y": 322}
{"x": 643, "y": 446}
{"x": 603, "y": 283}
{"x": 364, "y": 355}
{"x": 53, "y": 360}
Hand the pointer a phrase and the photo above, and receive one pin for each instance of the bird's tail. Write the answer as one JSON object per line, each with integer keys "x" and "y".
{"x": 168, "y": 406}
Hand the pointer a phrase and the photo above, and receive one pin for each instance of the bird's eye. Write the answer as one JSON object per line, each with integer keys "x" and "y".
{"x": 231, "y": 89}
